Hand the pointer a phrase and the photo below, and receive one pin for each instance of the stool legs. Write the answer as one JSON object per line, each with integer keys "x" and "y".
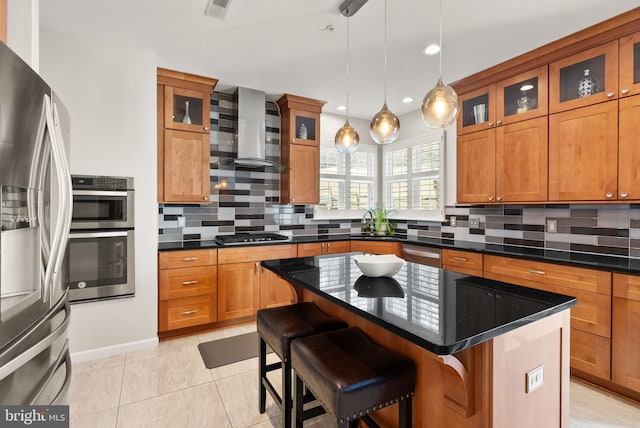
{"x": 287, "y": 403}
{"x": 405, "y": 413}
{"x": 262, "y": 362}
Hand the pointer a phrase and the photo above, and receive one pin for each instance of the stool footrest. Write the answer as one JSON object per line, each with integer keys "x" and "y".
{"x": 273, "y": 366}
{"x": 370, "y": 422}
{"x": 313, "y": 412}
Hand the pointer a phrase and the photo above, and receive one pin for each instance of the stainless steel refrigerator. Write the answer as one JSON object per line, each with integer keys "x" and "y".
{"x": 35, "y": 214}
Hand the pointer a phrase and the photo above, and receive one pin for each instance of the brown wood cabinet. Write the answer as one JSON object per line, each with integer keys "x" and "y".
{"x": 629, "y": 65}
{"x": 183, "y": 137}
{"x": 462, "y": 261}
{"x": 629, "y": 148}
{"x": 583, "y": 153}
{"x": 319, "y": 248}
{"x": 376, "y": 247}
{"x": 275, "y": 291}
{"x": 300, "y": 149}
{"x": 187, "y": 289}
{"x": 3, "y": 21}
{"x": 626, "y": 324}
{"x": 240, "y": 280}
{"x": 590, "y": 318}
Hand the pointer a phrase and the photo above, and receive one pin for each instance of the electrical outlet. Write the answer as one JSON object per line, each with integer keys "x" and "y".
{"x": 181, "y": 221}
{"x": 535, "y": 379}
{"x": 474, "y": 222}
{"x": 552, "y": 226}
{"x": 452, "y": 221}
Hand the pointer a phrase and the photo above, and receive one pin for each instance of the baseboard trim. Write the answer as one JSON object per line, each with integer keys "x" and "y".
{"x": 109, "y": 351}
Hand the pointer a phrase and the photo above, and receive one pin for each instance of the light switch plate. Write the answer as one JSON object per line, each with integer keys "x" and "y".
{"x": 552, "y": 226}
{"x": 474, "y": 222}
{"x": 181, "y": 221}
{"x": 535, "y": 379}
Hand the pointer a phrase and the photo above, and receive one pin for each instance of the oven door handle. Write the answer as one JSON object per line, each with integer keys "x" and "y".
{"x": 99, "y": 193}
{"x": 97, "y": 234}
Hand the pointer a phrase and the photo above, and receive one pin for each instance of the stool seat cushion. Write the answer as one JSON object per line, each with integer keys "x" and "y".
{"x": 350, "y": 374}
{"x": 279, "y": 326}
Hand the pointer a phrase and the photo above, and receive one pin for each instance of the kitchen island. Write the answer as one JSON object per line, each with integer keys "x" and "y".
{"x": 489, "y": 354}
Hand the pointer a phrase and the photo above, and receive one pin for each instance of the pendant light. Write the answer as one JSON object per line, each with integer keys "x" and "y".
{"x": 385, "y": 125}
{"x": 440, "y": 105}
{"x": 347, "y": 138}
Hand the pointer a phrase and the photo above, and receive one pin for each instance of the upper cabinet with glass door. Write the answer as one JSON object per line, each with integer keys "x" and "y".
{"x": 586, "y": 78}
{"x": 522, "y": 97}
{"x": 630, "y": 65}
{"x": 477, "y": 110}
{"x": 300, "y": 122}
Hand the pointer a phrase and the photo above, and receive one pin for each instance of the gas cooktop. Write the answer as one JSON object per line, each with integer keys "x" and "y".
{"x": 250, "y": 238}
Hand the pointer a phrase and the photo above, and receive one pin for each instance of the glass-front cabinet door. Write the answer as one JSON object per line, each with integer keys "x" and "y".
{"x": 477, "y": 110}
{"x": 305, "y": 127}
{"x": 586, "y": 78}
{"x": 186, "y": 109}
{"x": 630, "y": 65}
{"x": 522, "y": 97}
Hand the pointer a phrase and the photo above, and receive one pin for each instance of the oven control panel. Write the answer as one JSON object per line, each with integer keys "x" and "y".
{"x": 86, "y": 182}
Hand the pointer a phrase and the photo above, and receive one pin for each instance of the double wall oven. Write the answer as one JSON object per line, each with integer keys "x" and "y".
{"x": 100, "y": 254}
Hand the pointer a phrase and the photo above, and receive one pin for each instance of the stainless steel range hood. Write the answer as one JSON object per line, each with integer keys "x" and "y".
{"x": 251, "y": 130}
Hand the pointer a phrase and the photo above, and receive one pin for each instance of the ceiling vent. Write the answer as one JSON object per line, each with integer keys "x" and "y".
{"x": 217, "y": 8}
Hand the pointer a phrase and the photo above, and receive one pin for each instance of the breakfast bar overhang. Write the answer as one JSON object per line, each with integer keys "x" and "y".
{"x": 489, "y": 354}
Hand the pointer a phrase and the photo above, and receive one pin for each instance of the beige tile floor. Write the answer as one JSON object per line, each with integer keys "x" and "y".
{"x": 169, "y": 387}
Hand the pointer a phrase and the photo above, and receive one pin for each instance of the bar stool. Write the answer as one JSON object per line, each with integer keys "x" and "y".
{"x": 278, "y": 327}
{"x": 351, "y": 376}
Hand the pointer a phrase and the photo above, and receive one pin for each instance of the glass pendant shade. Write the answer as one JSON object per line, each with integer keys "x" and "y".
{"x": 440, "y": 106}
{"x": 347, "y": 139}
{"x": 385, "y": 126}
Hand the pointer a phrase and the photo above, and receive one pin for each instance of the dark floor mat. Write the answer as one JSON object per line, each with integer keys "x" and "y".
{"x": 229, "y": 350}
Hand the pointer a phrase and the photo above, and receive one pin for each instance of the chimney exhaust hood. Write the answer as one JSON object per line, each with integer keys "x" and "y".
{"x": 251, "y": 138}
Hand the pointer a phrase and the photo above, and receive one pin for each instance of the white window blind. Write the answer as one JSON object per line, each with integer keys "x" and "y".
{"x": 413, "y": 177}
{"x": 347, "y": 182}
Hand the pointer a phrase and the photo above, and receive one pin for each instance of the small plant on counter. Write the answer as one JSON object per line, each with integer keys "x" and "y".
{"x": 381, "y": 224}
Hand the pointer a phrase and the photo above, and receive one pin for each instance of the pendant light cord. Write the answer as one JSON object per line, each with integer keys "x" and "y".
{"x": 440, "y": 59}
{"x": 385, "y": 51}
{"x": 347, "y": 68}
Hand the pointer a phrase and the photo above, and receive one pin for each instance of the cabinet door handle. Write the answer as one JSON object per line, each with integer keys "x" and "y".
{"x": 328, "y": 246}
{"x": 189, "y": 259}
{"x": 499, "y": 198}
{"x": 624, "y": 194}
{"x": 491, "y": 197}
{"x": 205, "y": 198}
{"x": 206, "y": 129}
{"x": 609, "y": 195}
{"x": 257, "y": 267}
{"x": 293, "y": 140}
{"x": 610, "y": 94}
{"x": 189, "y": 312}
{"x": 625, "y": 90}
{"x": 498, "y": 121}
{"x": 537, "y": 272}
{"x": 460, "y": 259}
{"x": 490, "y": 123}
{"x": 189, "y": 282}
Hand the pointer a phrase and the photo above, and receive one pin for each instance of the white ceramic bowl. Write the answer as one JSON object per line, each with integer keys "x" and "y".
{"x": 378, "y": 265}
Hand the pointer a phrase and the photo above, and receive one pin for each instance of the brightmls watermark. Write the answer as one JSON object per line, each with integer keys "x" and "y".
{"x": 34, "y": 416}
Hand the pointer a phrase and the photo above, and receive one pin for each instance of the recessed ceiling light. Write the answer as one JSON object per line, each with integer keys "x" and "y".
{"x": 432, "y": 49}
{"x": 341, "y": 108}
{"x": 407, "y": 100}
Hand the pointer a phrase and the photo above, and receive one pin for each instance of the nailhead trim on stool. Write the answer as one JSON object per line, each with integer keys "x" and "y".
{"x": 351, "y": 376}
{"x": 278, "y": 327}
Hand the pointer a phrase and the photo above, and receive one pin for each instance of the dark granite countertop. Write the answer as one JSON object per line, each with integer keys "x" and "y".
{"x": 443, "y": 312}
{"x": 594, "y": 261}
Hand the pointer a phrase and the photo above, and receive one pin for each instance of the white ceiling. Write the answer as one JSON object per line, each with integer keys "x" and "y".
{"x": 282, "y": 46}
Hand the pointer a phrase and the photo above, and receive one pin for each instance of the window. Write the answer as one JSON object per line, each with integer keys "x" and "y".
{"x": 413, "y": 177}
{"x": 347, "y": 182}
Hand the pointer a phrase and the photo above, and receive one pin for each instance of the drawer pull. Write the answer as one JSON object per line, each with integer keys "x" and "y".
{"x": 537, "y": 272}
{"x": 460, "y": 259}
{"x": 189, "y": 312}
{"x": 189, "y": 282}
{"x": 189, "y": 259}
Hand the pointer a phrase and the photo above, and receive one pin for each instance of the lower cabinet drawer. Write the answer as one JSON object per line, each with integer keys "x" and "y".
{"x": 186, "y": 312}
{"x": 591, "y": 353}
{"x": 187, "y": 282}
{"x": 462, "y": 261}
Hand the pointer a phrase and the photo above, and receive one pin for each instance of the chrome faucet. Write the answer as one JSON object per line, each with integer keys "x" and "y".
{"x": 366, "y": 226}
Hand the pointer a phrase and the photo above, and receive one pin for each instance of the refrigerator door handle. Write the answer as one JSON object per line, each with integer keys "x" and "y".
{"x": 30, "y": 353}
{"x": 65, "y": 359}
{"x": 67, "y": 380}
{"x": 61, "y": 229}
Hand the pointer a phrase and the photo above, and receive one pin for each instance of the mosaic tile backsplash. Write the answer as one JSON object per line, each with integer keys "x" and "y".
{"x": 247, "y": 200}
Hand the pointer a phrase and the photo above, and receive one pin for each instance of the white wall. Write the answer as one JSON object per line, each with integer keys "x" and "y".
{"x": 23, "y": 21}
{"x": 330, "y": 123}
{"x": 110, "y": 92}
